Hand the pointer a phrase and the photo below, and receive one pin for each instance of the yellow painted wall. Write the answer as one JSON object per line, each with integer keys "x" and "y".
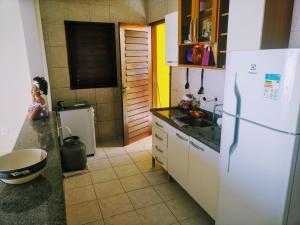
{"x": 163, "y": 77}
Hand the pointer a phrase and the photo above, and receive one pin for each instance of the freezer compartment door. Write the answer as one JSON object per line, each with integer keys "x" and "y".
{"x": 268, "y": 83}
{"x": 254, "y": 186}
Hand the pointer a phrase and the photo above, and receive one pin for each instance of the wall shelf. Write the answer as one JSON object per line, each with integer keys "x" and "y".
{"x": 198, "y": 43}
{"x": 200, "y": 67}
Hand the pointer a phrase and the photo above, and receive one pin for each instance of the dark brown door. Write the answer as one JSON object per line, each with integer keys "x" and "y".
{"x": 135, "y": 44}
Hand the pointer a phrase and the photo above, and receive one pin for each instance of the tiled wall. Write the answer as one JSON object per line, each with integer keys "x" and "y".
{"x": 213, "y": 85}
{"x": 157, "y": 9}
{"x": 106, "y": 101}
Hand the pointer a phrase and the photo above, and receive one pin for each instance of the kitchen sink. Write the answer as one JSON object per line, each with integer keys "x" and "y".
{"x": 194, "y": 122}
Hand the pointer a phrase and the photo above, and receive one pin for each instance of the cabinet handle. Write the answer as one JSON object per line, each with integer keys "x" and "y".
{"x": 191, "y": 30}
{"x": 196, "y": 29}
{"x": 156, "y": 158}
{"x": 158, "y": 149}
{"x": 158, "y": 137}
{"x": 196, "y": 146}
{"x": 182, "y": 138}
{"x": 235, "y": 141}
{"x": 159, "y": 125}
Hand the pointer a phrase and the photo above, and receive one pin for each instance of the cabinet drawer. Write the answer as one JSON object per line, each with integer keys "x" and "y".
{"x": 161, "y": 149}
{"x": 159, "y": 137}
{"x": 161, "y": 159}
{"x": 156, "y": 122}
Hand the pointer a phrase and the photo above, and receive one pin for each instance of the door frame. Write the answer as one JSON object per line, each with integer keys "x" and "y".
{"x": 154, "y": 56}
{"x": 135, "y": 27}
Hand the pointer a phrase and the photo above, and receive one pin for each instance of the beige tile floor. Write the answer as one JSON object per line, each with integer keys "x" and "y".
{"x": 122, "y": 188}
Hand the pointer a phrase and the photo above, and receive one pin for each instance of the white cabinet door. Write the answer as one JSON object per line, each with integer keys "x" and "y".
{"x": 203, "y": 176}
{"x": 245, "y": 27}
{"x": 178, "y": 154}
{"x": 171, "y": 21}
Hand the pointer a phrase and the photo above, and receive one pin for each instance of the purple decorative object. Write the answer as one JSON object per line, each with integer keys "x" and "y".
{"x": 189, "y": 55}
{"x": 43, "y": 110}
{"x": 205, "y": 59}
{"x": 211, "y": 61}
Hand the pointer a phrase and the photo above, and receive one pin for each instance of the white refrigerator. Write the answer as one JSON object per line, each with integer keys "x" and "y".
{"x": 260, "y": 159}
{"x": 81, "y": 122}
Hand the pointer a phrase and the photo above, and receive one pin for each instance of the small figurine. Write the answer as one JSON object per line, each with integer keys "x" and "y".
{"x": 39, "y": 107}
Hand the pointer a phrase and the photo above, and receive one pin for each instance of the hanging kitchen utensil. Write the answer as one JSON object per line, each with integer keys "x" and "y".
{"x": 187, "y": 85}
{"x": 201, "y": 90}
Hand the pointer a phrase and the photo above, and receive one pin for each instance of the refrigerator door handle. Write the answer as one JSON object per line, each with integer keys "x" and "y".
{"x": 234, "y": 143}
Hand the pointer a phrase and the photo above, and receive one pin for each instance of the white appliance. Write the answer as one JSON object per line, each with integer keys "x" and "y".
{"x": 81, "y": 122}
{"x": 260, "y": 159}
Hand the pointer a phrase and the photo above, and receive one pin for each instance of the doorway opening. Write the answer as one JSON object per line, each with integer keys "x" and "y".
{"x": 145, "y": 77}
{"x": 160, "y": 70}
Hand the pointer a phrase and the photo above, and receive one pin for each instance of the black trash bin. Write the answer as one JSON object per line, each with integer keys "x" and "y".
{"x": 73, "y": 154}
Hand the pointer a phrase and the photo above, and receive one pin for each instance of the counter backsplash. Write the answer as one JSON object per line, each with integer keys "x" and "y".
{"x": 213, "y": 85}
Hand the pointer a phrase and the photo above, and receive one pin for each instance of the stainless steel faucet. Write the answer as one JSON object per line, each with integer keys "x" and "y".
{"x": 214, "y": 111}
{"x": 210, "y": 99}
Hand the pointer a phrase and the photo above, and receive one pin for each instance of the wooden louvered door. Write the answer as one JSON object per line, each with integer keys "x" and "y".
{"x": 135, "y": 44}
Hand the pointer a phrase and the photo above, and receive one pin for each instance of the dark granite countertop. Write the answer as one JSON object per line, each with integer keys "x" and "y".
{"x": 210, "y": 136}
{"x": 40, "y": 201}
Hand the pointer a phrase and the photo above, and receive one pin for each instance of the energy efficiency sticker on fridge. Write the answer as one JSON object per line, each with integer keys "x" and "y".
{"x": 272, "y": 86}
